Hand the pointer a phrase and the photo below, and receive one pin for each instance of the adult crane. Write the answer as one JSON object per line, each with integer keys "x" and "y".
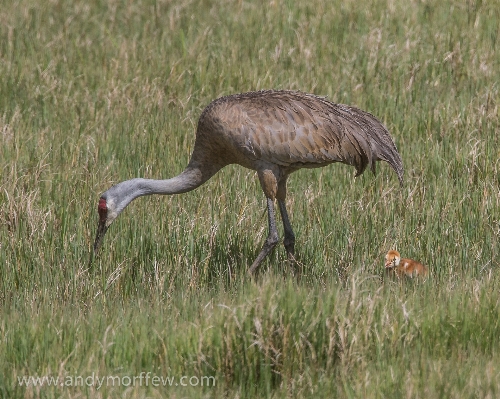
{"x": 274, "y": 133}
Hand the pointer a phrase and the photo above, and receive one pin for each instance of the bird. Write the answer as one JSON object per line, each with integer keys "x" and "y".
{"x": 275, "y": 133}
{"x": 403, "y": 266}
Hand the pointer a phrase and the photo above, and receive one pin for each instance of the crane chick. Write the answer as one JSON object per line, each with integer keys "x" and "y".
{"x": 404, "y": 267}
{"x": 275, "y": 133}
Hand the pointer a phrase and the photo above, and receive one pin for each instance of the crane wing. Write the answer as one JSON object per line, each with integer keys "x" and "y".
{"x": 294, "y": 129}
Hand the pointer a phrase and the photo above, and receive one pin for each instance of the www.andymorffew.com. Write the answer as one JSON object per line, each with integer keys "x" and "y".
{"x": 94, "y": 380}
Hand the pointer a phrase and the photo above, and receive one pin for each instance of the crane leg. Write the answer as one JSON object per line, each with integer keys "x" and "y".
{"x": 289, "y": 240}
{"x": 271, "y": 240}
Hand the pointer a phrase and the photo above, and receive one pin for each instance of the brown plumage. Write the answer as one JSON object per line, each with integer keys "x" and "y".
{"x": 403, "y": 267}
{"x": 274, "y": 133}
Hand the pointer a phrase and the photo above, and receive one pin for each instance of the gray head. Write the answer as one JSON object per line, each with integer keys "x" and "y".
{"x": 112, "y": 203}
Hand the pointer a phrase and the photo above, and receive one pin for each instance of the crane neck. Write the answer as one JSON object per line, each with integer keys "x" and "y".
{"x": 119, "y": 196}
{"x": 188, "y": 180}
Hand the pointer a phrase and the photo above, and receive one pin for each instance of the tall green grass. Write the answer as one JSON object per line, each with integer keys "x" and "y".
{"x": 92, "y": 93}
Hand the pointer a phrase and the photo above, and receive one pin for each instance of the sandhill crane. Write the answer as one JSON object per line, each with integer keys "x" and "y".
{"x": 274, "y": 133}
{"x": 404, "y": 267}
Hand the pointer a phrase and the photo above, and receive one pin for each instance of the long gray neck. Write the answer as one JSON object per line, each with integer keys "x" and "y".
{"x": 186, "y": 181}
{"x": 122, "y": 194}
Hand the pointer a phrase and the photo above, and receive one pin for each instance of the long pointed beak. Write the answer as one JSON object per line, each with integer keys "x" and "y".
{"x": 102, "y": 227}
{"x": 101, "y": 231}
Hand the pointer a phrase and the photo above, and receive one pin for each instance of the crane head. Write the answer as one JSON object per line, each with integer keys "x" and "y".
{"x": 112, "y": 203}
{"x": 392, "y": 259}
{"x": 108, "y": 211}
{"x": 103, "y": 225}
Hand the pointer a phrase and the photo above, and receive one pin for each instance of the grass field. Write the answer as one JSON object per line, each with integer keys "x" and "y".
{"x": 95, "y": 92}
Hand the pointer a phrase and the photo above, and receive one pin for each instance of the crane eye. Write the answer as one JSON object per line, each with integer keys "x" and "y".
{"x": 103, "y": 210}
